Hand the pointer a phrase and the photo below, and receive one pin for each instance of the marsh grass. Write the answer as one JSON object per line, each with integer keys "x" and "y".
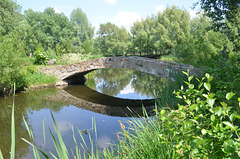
{"x": 140, "y": 139}
{"x": 12, "y": 152}
{"x": 61, "y": 148}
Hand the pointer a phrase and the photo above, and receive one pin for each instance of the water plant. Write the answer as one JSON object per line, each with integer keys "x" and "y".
{"x": 12, "y": 152}
{"x": 61, "y": 148}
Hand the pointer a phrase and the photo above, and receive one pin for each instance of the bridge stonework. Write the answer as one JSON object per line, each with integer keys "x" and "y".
{"x": 152, "y": 66}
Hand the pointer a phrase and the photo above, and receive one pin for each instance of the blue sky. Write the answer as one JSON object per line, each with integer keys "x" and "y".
{"x": 120, "y": 12}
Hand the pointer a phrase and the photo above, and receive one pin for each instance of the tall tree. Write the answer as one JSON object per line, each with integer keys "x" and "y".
{"x": 221, "y": 10}
{"x": 48, "y": 28}
{"x": 83, "y": 27}
{"x": 172, "y": 28}
{"x": 112, "y": 39}
{"x": 9, "y": 16}
{"x": 226, "y": 17}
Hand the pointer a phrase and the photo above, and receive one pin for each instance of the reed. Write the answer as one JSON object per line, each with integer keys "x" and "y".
{"x": 12, "y": 152}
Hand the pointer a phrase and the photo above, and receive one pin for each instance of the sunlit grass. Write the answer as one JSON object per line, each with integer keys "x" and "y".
{"x": 168, "y": 58}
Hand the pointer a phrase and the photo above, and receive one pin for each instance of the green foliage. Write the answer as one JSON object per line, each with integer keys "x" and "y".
{"x": 227, "y": 78}
{"x": 226, "y": 17}
{"x": 141, "y": 138}
{"x": 11, "y": 53}
{"x": 47, "y": 28}
{"x": 34, "y": 77}
{"x": 201, "y": 128}
{"x": 9, "y": 16}
{"x": 40, "y": 56}
{"x": 87, "y": 46}
{"x": 203, "y": 45}
{"x": 112, "y": 40}
{"x": 83, "y": 28}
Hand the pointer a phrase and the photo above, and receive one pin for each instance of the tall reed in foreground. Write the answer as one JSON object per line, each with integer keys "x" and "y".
{"x": 61, "y": 148}
{"x": 12, "y": 152}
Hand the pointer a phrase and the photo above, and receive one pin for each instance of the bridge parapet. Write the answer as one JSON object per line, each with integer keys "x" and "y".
{"x": 152, "y": 66}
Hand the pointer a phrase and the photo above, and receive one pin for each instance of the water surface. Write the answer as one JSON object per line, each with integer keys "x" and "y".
{"x": 77, "y": 106}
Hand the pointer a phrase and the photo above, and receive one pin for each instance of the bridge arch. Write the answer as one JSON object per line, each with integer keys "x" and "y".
{"x": 73, "y": 72}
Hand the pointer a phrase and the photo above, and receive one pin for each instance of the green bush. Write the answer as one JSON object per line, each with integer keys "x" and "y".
{"x": 40, "y": 56}
{"x": 202, "y": 128}
{"x": 12, "y": 51}
{"x": 226, "y": 78}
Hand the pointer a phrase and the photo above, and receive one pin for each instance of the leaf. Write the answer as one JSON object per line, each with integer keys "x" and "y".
{"x": 207, "y": 86}
{"x": 162, "y": 112}
{"x": 211, "y": 101}
{"x": 190, "y": 78}
{"x": 207, "y": 75}
{"x": 185, "y": 73}
{"x": 229, "y": 124}
{"x": 230, "y": 95}
{"x": 232, "y": 116}
{"x": 195, "y": 121}
{"x": 191, "y": 86}
{"x": 212, "y": 117}
{"x": 210, "y": 78}
{"x": 203, "y": 131}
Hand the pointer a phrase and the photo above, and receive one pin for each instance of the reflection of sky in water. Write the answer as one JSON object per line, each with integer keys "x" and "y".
{"x": 107, "y": 126}
{"x": 127, "y": 92}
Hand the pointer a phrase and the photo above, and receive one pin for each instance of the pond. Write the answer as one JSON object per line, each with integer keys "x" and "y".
{"x": 106, "y": 98}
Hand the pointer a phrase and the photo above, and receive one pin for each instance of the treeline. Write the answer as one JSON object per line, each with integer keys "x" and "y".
{"x": 35, "y": 37}
{"x": 170, "y": 32}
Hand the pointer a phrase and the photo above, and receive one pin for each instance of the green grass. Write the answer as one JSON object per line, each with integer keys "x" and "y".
{"x": 168, "y": 58}
{"x": 71, "y": 58}
{"x": 39, "y": 78}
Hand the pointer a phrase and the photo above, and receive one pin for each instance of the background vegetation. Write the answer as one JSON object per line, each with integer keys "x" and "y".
{"x": 33, "y": 38}
{"x": 204, "y": 125}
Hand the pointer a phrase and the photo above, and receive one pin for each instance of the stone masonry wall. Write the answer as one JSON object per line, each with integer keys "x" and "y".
{"x": 152, "y": 66}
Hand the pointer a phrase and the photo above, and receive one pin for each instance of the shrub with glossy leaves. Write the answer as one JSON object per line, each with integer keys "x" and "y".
{"x": 201, "y": 127}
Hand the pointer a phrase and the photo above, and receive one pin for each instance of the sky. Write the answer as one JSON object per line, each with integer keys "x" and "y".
{"x": 120, "y": 12}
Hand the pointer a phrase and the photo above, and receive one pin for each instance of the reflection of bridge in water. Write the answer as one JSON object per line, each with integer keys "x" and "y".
{"x": 84, "y": 97}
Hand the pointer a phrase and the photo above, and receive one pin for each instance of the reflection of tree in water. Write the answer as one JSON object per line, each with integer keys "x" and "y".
{"x": 24, "y": 104}
{"x": 147, "y": 84}
{"x": 112, "y": 81}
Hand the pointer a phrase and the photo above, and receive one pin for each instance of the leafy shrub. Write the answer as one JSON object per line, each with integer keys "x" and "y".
{"x": 40, "y": 56}
{"x": 12, "y": 50}
{"x": 202, "y": 128}
{"x": 227, "y": 78}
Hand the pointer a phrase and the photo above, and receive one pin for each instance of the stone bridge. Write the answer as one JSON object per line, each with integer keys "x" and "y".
{"x": 73, "y": 72}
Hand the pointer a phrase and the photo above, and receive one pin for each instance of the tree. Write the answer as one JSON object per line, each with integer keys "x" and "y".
{"x": 80, "y": 21}
{"x": 9, "y": 16}
{"x": 142, "y": 36}
{"x": 48, "y": 28}
{"x": 221, "y": 10}
{"x": 203, "y": 45}
{"x": 172, "y": 28}
{"x": 112, "y": 39}
{"x": 226, "y": 17}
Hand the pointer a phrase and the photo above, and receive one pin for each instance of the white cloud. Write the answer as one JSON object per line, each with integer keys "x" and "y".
{"x": 104, "y": 142}
{"x": 63, "y": 126}
{"x": 126, "y": 19}
{"x": 122, "y": 18}
{"x": 193, "y": 14}
{"x": 160, "y": 8}
{"x": 56, "y": 10}
{"x": 128, "y": 89}
{"x": 110, "y": 1}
